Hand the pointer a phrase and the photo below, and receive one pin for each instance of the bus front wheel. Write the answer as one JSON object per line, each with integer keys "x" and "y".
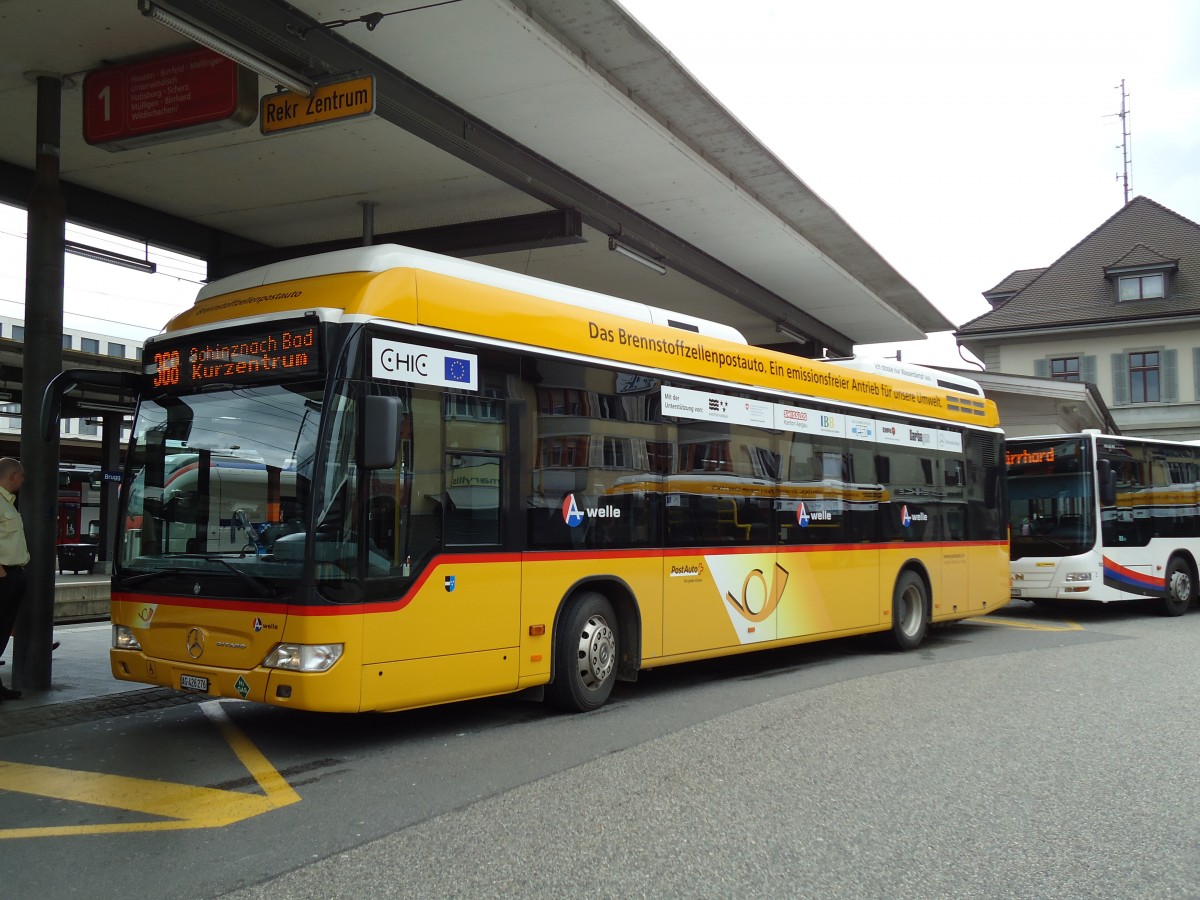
{"x": 585, "y": 654}
{"x": 1180, "y": 588}
{"x": 910, "y": 605}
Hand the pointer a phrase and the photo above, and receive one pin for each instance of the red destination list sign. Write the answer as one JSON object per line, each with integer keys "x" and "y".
{"x": 166, "y": 99}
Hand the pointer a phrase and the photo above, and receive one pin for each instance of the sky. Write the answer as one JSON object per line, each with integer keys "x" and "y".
{"x": 962, "y": 140}
{"x": 100, "y": 297}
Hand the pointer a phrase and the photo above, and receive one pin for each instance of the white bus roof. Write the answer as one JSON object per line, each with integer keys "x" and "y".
{"x": 381, "y": 257}
{"x": 906, "y": 372}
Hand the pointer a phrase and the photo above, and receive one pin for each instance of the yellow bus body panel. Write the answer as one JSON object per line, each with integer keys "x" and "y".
{"x": 460, "y": 606}
{"x": 492, "y": 633}
{"x": 164, "y": 629}
{"x": 410, "y": 683}
{"x": 551, "y": 576}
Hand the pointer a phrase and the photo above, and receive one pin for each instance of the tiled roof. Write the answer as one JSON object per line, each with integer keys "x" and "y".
{"x": 1141, "y": 255}
{"x": 1074, "y": 289}
{"x": 1015, "y": 281}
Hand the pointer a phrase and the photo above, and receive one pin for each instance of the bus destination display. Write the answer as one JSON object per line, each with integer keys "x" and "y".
{"x": 245, "y": 356}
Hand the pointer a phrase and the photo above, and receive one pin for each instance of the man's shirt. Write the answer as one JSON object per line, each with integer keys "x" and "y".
{"x": 13, "y": 549}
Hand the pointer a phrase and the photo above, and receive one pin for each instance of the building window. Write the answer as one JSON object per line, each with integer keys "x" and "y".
{"x": 1066, "y": 369}
{"x": 89, "y": 345}
{"x": 1140, "y": 287}
{"x": 1143, "y": 378}
{"x": 116, "y": 349}
{"x": 18, "y": 332}
{"x": 66, "y": 342}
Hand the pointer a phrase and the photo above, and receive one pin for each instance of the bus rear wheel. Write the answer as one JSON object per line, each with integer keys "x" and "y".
{"x": 585, "y": 654}
{"x": 1180, "y": 588}
{"x": 910, "y": 611}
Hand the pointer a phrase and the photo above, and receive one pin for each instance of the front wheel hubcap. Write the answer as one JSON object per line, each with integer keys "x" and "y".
{"x": 1181, "y": 586}
{"x": 597, "y": 652}
{"x": 910, "y": 611}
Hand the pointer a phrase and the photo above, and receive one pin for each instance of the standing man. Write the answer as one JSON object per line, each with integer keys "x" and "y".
{"x": 14, "y": 555}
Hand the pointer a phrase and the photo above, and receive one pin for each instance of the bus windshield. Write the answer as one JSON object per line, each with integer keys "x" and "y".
{"x": 219, "y": 481}
{"x": 1051, "y": 497}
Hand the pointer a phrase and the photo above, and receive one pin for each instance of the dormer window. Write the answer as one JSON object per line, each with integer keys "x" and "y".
{"x": 1140, "y": 287}
{"x": 1141, "y": 274}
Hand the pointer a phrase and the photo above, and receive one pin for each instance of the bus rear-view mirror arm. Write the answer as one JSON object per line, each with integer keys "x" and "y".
{"x": 70, "y": 379}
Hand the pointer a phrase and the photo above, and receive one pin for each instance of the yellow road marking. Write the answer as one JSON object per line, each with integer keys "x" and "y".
{"x": 1031, "y": 626}
{"x": 278, "y": 791}
{"x": 180, "y": 805}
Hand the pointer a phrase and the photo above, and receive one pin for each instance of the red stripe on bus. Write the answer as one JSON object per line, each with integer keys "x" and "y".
{"x": 398, "y": 603}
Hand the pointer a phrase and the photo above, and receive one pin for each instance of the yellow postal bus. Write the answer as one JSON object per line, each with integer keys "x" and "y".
{"x": 378, "y": 479}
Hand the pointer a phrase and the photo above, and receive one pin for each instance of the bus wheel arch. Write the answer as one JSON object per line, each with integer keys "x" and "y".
{"x": 1180, "y": 584}
{"x": 912, "y": 607}
{"x": 597, "y": 641}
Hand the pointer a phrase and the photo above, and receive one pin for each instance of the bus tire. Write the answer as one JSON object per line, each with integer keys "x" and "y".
{"x": 585, "y": 654}
{"x": 1180, "y": 587}
{"x": 910, "y": 611}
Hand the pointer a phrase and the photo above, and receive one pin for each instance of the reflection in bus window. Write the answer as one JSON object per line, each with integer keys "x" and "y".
{"x": 599, "y": 458}
{"x": 221, "y": 481}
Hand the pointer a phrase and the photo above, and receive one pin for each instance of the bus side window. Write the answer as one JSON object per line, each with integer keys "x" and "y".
{"x": 472, "y": 514}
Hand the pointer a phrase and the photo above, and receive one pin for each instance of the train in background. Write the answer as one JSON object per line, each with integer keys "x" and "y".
{"x": 78, "y": 503}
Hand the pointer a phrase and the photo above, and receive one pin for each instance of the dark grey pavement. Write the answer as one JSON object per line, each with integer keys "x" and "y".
{"x": 80, "y": 668}
{"x": 1035, "y": 753}
{"x": 81, "y": 684}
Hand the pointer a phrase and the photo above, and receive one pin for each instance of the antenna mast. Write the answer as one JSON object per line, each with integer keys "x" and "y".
{"x": 1125, "y": 160}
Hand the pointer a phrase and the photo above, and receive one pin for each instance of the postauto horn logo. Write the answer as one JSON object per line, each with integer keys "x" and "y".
{"x": 573, "y": 516}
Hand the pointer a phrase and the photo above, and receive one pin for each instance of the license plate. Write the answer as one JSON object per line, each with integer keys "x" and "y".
{"x": 193, "y": 683}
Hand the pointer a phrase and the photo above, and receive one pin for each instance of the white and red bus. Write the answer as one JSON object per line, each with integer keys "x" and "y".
{"x": 1097, "y": 517}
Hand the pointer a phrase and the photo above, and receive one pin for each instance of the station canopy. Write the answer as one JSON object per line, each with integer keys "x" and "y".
{"x": 536, "y": 136}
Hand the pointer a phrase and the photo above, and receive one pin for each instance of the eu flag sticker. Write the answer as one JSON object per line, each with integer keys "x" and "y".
{"x": 458, "y": 370}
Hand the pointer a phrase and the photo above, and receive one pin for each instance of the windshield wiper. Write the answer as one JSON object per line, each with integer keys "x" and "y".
{"x": 260, "y": 587}
{"x": 150, "y": 576}
{"x": 257, "y": 584}
{"x": 1031, "y": 538}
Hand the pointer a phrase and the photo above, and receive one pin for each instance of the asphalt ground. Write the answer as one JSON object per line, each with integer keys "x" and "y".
{"x": 994, "y": 762}
{"x": 82, "y": 688}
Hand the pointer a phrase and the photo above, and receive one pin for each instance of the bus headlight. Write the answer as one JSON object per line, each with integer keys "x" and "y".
{"x": 303, "y": 657}
{"x": 123, "y": 639}
{"x": 1078, "y": 576}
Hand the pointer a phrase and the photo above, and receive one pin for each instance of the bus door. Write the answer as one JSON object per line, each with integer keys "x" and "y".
{"x": 721, "y": 584}
{"x": 829, "y": 500}
{"x": 449, "y": 599}
{"x": 956, "y": 595}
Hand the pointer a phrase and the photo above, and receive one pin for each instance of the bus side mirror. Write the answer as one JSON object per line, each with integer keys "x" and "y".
{"x": 381, "y": 432}
{"x": 1108, "y": 482}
